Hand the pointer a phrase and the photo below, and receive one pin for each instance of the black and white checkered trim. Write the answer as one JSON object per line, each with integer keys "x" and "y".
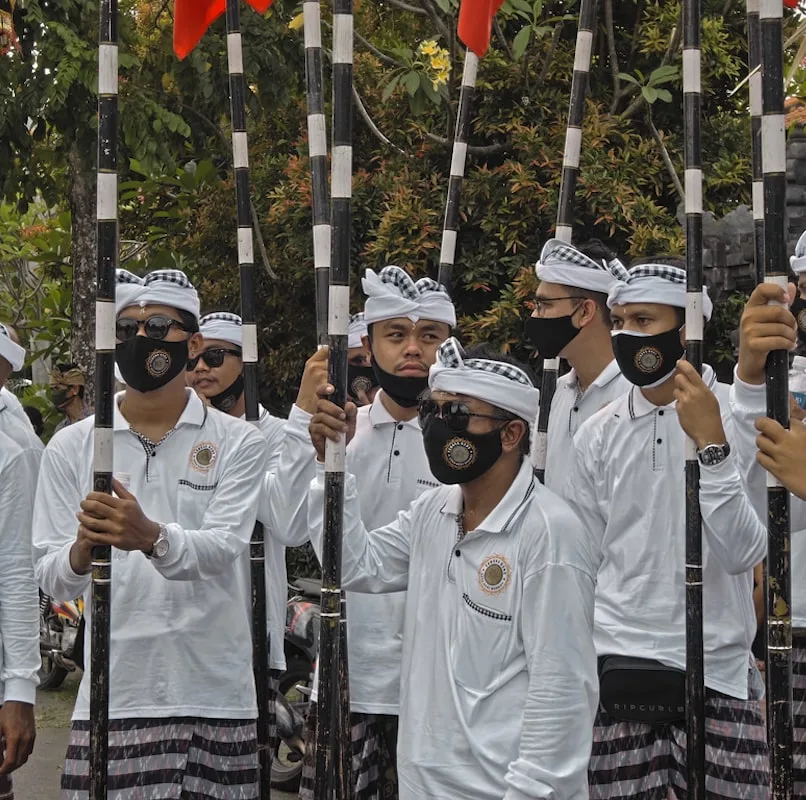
{"x": 223, "y": 316}
{"x": 357, "y": 319}
{"x": 664, "y": 271}
{"x": 4, "y": 331}
{"x": 411, "y": 290}
{"x": 174, "y": 276}
{"x": 554, "y": 249}
{"x": 124, "y": 276}
{"x": 452, "y": 355}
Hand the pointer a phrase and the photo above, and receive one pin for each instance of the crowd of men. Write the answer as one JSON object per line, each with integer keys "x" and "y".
{"x": 506, "y": 639}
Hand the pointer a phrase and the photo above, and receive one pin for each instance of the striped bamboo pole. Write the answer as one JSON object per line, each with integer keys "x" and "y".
{"x": 754, "y": 83}
{"x": 246, "y": 265}
{"x": 695, "y": 666}
{"x": 317, "y": 149}
{"x": 779, "y": 618}
{"x": 450, "y": 228}
{"x": 333, "y": 750}
{"x": 103, "y": 465}
{"x": 565, "y": 206}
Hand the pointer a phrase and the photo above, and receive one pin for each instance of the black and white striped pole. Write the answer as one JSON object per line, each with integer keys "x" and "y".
{"x": 565, "y": 206}
{"x": 779, "y": 612}
{"x": 103, "y": 462}
{"x": 317, "y": 150}
{"x": 450, "y": 228}
{"x": 246, "y": 265}
{"x": 333, "y": 746}
{"x": 692, "y": 143}
{"x": 754, "y": 85}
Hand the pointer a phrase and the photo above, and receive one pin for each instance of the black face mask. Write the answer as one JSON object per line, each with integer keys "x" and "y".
{"x": 59, "y": 397}
{"x": 148, "y": 364}
{"x": 550, "y": 335}
{"x": 226, "y": 400}
{"x": 647, "y": 360}
{"x": 459, "y": 457}
{"x": 404, "y": 391}
{"x": 360, "y": 379}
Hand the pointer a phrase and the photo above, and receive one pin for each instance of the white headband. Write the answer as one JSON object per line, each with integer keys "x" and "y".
{"x": 392, "y": 293}
{"x": 798, "y": 261}
{"x": 358, "y": 328}
{"x": 10, "y": 350}
{"x": 222, "y": 325}
{"x": 563, "y": 263}
{"x": 655, "y": 283}
{"x": 164, "y": 287}
{"x": 502, "y": 385}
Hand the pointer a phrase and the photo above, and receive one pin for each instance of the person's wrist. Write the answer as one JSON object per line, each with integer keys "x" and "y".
{"x": 81, "y": 558}
{"x": 153, "y": 533}
{"x": 714, "y": 437}
{"x": 749, "y": 371}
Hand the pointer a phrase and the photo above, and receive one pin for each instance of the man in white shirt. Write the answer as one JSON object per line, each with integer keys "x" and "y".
{"x": 498, "y": 679}
{"x": 218, "y": 377}
{"x": 627, "y": 486}
{"x": 182, "y": 702}
{"x": 14, "y": 422}
{"x": 362, "y": 385}
{"x": 19, "y": 615}
{"x": 406, "y": 321}
{"x": 571, "y": 319}
{"x": 67, "y": 394}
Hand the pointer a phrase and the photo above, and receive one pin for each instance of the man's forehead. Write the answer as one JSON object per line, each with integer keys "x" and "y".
{"x": 143, "y": 312}
{"x": 404, "y": 323}
{"x": 635, "y": 309}
{"x": 211, "y": 344}
{"x": 450, "y": 397}
{"x": 546, "y": 290}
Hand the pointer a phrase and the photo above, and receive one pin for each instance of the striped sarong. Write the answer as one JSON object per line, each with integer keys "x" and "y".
{"x": 168, "y": 759}
{"x": 274, "y": 687}
{"x": 374, "y": 750}
{"x": 6, "y": 788}
{"x": 644, "y": 762}
{"x": 799, "y": 714}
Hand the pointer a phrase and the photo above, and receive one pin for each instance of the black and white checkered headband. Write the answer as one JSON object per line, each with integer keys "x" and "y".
{"x": 222, "y": 325}
{"x": 562, "y": 263}
{"x": 163, "y": 287}
{"x": 393, "y": 293}
{"x": 798, "y": 261}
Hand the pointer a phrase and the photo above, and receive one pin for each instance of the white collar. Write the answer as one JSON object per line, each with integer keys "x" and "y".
{"x": 639, "y": 406}
{"x": 379, "y": 414}
{"x": 194, "y": 412}
{"x": 608, "y": 374}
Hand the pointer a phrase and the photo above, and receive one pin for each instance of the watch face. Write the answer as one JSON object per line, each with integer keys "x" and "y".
{"x": 713, "y": 454}
{"x": 160, "y": 548}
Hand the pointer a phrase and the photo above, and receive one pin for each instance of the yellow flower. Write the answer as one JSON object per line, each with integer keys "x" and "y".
{"x": 428, "y": 47}
{"x": 440, "y": 62}
{"x": 297, "y": 22}
{"x": 435, "y": 85}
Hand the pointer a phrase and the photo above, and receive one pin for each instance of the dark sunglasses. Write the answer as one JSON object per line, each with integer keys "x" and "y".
{"x": 457, "y": 415}
{"x": 156, "y": 327}
{"x": 214, "y": 357}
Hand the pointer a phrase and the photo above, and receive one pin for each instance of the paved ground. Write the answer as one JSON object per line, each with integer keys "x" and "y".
{"x": 39, "y": 778}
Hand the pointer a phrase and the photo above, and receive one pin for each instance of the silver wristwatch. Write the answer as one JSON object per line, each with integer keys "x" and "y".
{"x": 161, "y": 546}
{"x": 713, "y": 454}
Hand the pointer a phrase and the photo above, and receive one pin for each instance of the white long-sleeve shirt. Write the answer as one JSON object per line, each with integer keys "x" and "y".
{"x": 19, "y": 602}
{"x": 388, "y": 459}
{"x": 570, "y": 407}
{"x": 181, "y": 625}
{"x": 15, "y": 424}
{"x": 749, "y": 402}
{"x": 498, "y": 680}
{"x": 628, "y": 486}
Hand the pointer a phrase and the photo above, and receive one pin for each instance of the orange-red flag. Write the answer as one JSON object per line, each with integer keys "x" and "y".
{"x": 476, "y": 22}
{"x": 192, "y": 18}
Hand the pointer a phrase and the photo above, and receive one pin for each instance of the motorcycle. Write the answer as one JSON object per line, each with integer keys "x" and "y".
{"x": 296, "y": 683}
{"x": 61, "y": 639}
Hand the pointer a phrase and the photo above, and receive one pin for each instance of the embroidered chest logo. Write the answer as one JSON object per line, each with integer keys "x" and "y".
{"x": 494, "y": 574}
{"x": 203, "y": 456}
{"x": 802, "y": 320}
{"x": 648, "y": 359}
{"x": 158, "y": 363}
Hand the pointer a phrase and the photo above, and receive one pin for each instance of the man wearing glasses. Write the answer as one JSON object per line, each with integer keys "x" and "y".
{"x": 571, "y": 319}
{"x": 498, "y": 675}
{"x": 217, "y": 375}
{"x": 182, "y": 698}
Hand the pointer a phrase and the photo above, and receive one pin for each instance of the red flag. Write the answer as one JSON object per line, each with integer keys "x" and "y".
{"x": 476, "y": 22}
{"x": 192, "y": 18}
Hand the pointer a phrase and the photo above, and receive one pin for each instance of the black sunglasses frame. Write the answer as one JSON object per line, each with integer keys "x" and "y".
{"x": 455, "y": 413}
{"x": 145, "y": 324}
{"x": 193, "y": 362}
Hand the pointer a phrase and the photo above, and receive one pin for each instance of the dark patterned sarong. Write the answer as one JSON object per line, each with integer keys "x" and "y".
{"x": 168, "y": 759}
{"x": 644, "y": 762}
{"x": 799, "y": 714}
{"x": 6, "y": 788}
{"x": 374, "y": 750}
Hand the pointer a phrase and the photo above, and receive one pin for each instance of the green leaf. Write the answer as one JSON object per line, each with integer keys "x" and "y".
{"x": 623, "y": 76}
{"x": 431, "y": 93}
{"x": 521, "y": 42}
{"x": 390, "y": 87}
{"x": 411, "y": 80}
{"x": 665, "y": 95}
{"x": 521, "y": 5}
{"x": 650, "y": 94}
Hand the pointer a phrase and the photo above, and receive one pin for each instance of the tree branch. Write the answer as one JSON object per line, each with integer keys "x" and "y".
{"x": 555, "y": 40}
{"x": 371, "y": 125}
{"x": 667, "y": 160}
{"x": 433, "y": 13}
{"x": 483, "y": 150}
{"x": 406, "y": 7}
{"x": 612, "y": 55}
{"x": 503, "y": 39}
{"x": 374, "y": 50}
{"x": 260, "y": 244}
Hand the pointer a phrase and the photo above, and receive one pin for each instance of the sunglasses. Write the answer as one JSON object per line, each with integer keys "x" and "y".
{"x": 214, "y": 357}
{"x": 457, "y": 415}
{"x": 156, "y": 327}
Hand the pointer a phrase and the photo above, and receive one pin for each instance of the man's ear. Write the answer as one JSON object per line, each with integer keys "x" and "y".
{"x": 512, "y": 434}
{"x": 195, "y": 344}
{"x": 367, "y": 342}
{"x": 588, "y": 311}
{"x": 683, "y": 334}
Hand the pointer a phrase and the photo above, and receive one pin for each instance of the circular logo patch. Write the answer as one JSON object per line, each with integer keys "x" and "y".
{"x": 494, "y": 574}
{"x": 158, "y": 363}
{"x": 648, "y": 359}
{"x": 360, "y": 384}
{"x": 459, "y": 453}
{"x": 203, "y": 456}
{"x": 802, "y": 320}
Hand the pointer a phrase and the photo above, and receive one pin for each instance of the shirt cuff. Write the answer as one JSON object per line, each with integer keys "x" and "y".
{"x": 68, "y": 575}
{"x": 175, "y": 534}
{"x": 749, "y": 396}
{"x": 20, "y": 690}
{"x": 298, "y": 421}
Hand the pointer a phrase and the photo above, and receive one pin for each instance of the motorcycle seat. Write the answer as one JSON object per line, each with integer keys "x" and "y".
{"x": 310, "y": 587}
